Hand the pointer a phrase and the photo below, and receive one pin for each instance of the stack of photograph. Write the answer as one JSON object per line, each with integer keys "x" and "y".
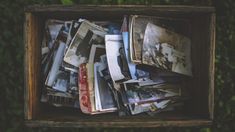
{"x": 135, "y": 65}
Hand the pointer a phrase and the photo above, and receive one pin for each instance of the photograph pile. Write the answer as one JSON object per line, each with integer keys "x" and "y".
{"x": 136, "y": 65}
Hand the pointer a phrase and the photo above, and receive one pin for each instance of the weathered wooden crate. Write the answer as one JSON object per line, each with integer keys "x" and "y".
{"x": 198, "y": 111}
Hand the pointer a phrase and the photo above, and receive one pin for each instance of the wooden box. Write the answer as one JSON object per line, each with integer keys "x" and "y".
{"x": 197, "y": 112}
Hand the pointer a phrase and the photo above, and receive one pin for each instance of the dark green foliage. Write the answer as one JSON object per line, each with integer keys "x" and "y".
{"x": 12, "y": 52}
{"x": 11, "y": 62}
{"x": 225, "y": 66}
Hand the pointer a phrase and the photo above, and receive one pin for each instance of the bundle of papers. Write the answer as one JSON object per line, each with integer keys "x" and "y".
{"x": 137, "y": 66}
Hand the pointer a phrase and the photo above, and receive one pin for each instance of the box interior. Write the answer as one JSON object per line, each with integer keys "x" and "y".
{"x": 195, "y": 108}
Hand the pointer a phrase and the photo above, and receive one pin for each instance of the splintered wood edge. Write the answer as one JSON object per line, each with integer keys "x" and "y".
{"x": 212, "y": 65}
{"x": 120, "y": 124}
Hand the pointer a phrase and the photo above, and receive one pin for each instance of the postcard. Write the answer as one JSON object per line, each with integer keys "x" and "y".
{"x": 138, "y": 24}
{"x": 96, "y": 87}
{"x": 86, "y": 32}
{"x": 116, "y": 63}
{"x": 125, "y": 35}
{"x": 167, "y": 50}
{"x": 59, "y": 99}
{"x": 137, "y": 95}
{"x": 61, "y": 82}
{"x": 84, "y": 94}
{"x": 53, "y": 27}
{"x": 96, "y": 51}
{"x": 104, "y": 94}
{"x": 73, "y": 83}
{"x": 56, "y": 65}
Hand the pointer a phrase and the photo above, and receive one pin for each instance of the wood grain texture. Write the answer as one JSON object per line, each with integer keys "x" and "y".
{"x": 161, "y": 8}
{"x": 28, "y": 108}
{"x": 122, "y": 124}
{"x": 212, "y": 65}
{"x": 200, "y": 59}
{"x": 32, "y": 53}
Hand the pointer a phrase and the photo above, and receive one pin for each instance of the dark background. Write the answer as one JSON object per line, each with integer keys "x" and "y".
{"x": 12, "y": 53}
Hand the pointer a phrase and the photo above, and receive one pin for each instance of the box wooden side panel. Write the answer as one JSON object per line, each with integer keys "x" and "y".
{"x": 74, "y": 8}
{"x": 31, "y": 65}
{"x": 27, "y": 96}
{"x": 212, "y": 65}
{"x": 119, "y": 124}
